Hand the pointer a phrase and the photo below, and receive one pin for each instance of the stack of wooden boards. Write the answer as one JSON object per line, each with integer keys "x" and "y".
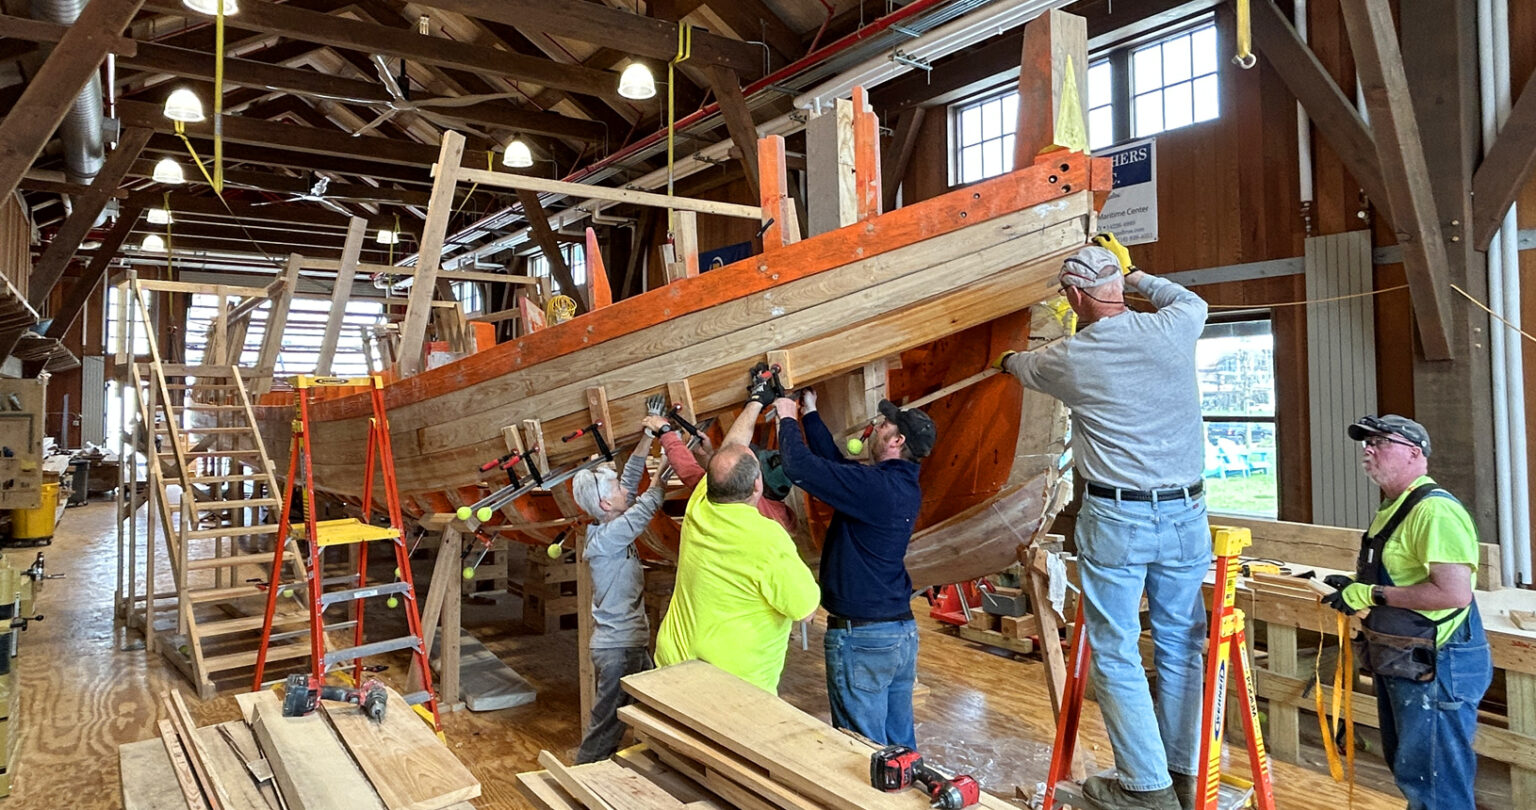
{"x": 712, "y": 741}
{"x": 335, "y": 757}
{"x": 15, "y": 606}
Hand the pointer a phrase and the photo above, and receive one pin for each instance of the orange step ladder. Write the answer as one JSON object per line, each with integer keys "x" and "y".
{"x": 323, "y": 534}
{"x": 1227, "y": 654}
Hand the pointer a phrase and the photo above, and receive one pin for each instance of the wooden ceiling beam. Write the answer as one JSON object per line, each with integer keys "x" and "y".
{"x": 340, "y": 32}
{"x": 88, "y": 207}
{"x": 28, "y": 125}
{"x": 598, "y": 24}
{"x": 284, "y": 214}
{"x": 83, "y": 288}
{"x": 234, "y": 154}
{"x": 1506, "y": 168}
{"x": 754, "y": 20}
{"x": 309, "y": 140}
{"x": 738, "y": 120}
{"x": 43, "y": 31}
{"x": 272, "y": 248}
{"x": 1400, "y": 155}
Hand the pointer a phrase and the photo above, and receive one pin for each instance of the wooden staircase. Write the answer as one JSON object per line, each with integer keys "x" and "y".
{"x": 197, "y": 430}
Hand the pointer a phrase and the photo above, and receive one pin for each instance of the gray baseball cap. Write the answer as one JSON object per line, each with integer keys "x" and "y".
{"x": 1390, "y": 424}
{"x": 1089, "y": 267}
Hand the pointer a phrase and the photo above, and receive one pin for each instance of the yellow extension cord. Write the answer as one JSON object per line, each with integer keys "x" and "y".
{"x": 1343, "y": 706}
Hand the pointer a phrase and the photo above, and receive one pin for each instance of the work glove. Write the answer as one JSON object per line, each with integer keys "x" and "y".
{"x": 1108, "y": 241}
{"x": 763, "y": 385}
{"x": 1001, "y": 363}
{"x": 656, "y": 405}
{"x": 1338, "y": 582}
{"x": 1352, "y": 598}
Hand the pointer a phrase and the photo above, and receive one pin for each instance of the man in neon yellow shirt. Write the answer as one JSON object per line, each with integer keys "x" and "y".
{"x": 740, "y": 582}
{"x": 1423, "y": 638}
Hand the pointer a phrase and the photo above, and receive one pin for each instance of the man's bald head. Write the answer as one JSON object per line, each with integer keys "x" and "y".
{"x": 734, "y": 475}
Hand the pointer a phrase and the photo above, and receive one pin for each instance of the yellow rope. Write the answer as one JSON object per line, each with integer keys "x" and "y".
{"x": 218, "y": 102}
{"x": 1495, "y": 315}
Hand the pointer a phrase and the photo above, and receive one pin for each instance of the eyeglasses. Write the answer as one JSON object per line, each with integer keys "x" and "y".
{"x": 1376, "y": 442}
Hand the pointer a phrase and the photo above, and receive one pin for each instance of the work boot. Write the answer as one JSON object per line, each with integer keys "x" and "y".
{"x": 1109, "y": 794}
{"x": 1184, "y": 786}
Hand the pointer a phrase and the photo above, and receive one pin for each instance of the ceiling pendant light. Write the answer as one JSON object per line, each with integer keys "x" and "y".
{"x": 168, "y": 171}
{"x": 517, "y": 155}
{"x": 184, "y": 105}
{"x": 231, "y": 8}
{"x": 636, "y": 82}
{"x": 159, "y": 216}
{"x": 387, "y": 237}
{"x": 153, "y": 244}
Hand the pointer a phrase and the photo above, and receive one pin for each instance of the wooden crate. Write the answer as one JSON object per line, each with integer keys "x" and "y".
{"x": 549, "y": 593}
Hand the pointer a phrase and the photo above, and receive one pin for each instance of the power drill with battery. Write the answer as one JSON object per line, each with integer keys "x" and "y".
{"x": 895, "y": 768}
{"x": 302, "y": 694}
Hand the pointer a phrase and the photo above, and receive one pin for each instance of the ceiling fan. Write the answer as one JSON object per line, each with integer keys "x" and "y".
{"x": 399, "y": 101}
{"x": 316, "y": 194}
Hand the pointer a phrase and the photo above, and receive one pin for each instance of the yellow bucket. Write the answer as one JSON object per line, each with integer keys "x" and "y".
{"x": 36, "y": 524}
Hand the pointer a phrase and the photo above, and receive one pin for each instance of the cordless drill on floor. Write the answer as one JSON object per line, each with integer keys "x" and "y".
{"x": 302, "y": 694}
{"x": 895, "y": 768}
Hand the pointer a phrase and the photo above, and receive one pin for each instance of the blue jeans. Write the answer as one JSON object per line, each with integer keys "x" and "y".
{"x": 870, "y": 672}
{"x": 1164, "y": 548}
{"x": 1427, "y": 728}
{"x": 604, "y": 731}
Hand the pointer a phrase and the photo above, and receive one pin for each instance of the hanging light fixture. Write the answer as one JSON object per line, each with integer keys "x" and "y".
{"x": 153, "y": 244}
{"x": 168, "y": 171}
{"x": 387, "y": 237}
{"x": 231, "y": 8}
{"x": 636, "y": 82}
{"x": 517, "y": 154}
{"x": 159, "y": 216}
{"x": 184, "y": 105}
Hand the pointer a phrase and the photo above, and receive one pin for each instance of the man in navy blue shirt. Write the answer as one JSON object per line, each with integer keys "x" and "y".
{"x": 871, "y": 641}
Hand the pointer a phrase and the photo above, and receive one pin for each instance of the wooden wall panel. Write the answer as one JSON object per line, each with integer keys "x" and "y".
{"x": 15, "y": 244}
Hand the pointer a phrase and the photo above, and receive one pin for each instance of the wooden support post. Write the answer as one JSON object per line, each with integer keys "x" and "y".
{"x": 773, "y": 181}
{"x": 448, "y": 642}
{"x": 679, "y": 393}
{"x": 875, "y": 376}
{"x": 1520, "y": 698}
{"x": 544, "y": 236}
{"x": 277, "y": 323}
{"x": 685, "y": 246}
{"x": 738, "y": 119}
{"x": 34, "y": 117}
{"x": 903, "y": 147}
{"x": 597, "y": 409}
{"x": 1050, "y": 636}
{"x": 442, "y": 588}
{"x": 588, "y": 696}
{"x": 1053, "y": 87}
{"x": 341, "y": 293}
{"x": 866, "y": 157}
{"x": 829, "y": 162}
{"x": 533, "y": 435}
{"x": 1284, "y": 733}
{"x": 419, "y": 307}
{"x": 597, "y": 273}
{"x": 1379, "y": 63}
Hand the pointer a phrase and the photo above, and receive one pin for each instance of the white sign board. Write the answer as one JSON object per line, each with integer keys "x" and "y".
{"x": 1130, "y": 213}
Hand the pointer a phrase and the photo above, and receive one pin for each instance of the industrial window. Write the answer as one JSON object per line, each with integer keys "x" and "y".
{"x": 1236, "y": 361}
{"x": 1174, "y": 81}
{"x": 302, "y": 335}
{"x": 114, "y": 327}
{"x": 983, "y": 131}
{"x": 470, "y": 296}
{"x": 575, "y": 258}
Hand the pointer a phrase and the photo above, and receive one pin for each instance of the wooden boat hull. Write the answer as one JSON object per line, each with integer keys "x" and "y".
{"x": 943, "y": 285}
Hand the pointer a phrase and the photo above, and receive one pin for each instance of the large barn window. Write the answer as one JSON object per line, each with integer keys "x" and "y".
{"x": 982, "y": 131}
{"x": 1236, "y": 361}
{"x": 302, "y": 335}
{"x": 575, "y": 258}
{"x": 1174, "y": 81}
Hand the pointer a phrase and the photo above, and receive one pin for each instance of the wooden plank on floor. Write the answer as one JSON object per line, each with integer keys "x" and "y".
{"x": 584, "y": 796}
{"x": 148, "y": 780}
{"x": 229, "y": 769}
{"x": 312, "y": 768}
{"x": 622, "y": 787}
{"x": 798, "y": 750}
{"x": 729, "y": 791}
{"x": 409, "y": 767}
{"x": 186, "y": 782}
{"x": 667, "y": 735}
{"x": 544, "y": 792}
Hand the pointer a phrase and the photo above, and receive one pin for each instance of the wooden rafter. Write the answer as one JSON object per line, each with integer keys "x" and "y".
{"x": 65, "y": 315}
{"x": 340, "y": 32}
{"x": 903, "y": 146}
{"x": 755, "y": 20}
{"x": 43, "y": 31}
{"x": 1506, "y": 169}
{"x": 1330, "y": 110}
{"x": 50, "y": 266}
{"x": 544, "y": 237}
{"x": 1400, "y": 154}
{"x": 419, "y": 307}
{"x": 28, "y": 124}
{"x": 610, "y": 27}
{"x": 738, "y": 119}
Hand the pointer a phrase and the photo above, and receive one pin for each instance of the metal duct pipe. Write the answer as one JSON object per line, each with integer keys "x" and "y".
{"x": 81, "y": 132}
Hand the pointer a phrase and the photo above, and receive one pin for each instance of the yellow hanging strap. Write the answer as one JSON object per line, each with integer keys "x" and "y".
{"x": 1244, "y": 58}
{"x": 170, "y": 269}
{"x": 1343, "y": 706}
{"x": 218, "y": 103}
{"x": 684, "y": 51}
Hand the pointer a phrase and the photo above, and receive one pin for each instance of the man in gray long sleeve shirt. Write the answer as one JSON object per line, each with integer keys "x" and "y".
{"x": 1129, "y": 379}
{"x": 620, "y": 632}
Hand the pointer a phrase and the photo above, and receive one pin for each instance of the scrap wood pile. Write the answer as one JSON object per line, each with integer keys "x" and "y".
{"x": 334, "y": 757}
{"x": 711, "y": 740}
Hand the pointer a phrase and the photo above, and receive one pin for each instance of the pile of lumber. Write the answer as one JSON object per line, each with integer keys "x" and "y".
{"x": 711, "y": 740}
{"x": 335, "y": 757}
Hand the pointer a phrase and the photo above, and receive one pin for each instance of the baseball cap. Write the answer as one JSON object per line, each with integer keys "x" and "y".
{"x": 1089, "y": 267}
{"x": 1392, "y": 424}
{"x": 776, "y": 483}
{"x": 914, "y": 425}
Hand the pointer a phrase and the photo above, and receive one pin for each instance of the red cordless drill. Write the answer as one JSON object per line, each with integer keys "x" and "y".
{"x": 895, "y": 768}
{"x": 302, "y": 694}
